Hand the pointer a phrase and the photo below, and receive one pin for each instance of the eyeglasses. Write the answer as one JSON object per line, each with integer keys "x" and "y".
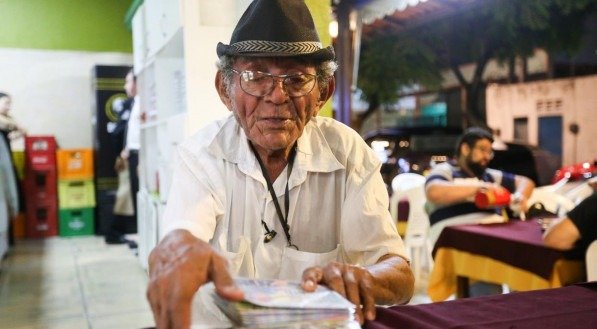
{"x": 259, "y": 84}
{"x": 484, "y": 150}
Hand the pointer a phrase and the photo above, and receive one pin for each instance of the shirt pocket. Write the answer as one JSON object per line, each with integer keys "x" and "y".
{"x": 240, "y": 262}
{"x": 294, "y": 262}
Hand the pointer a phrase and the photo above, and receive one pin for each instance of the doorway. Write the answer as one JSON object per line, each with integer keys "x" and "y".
{"x": 550, "y": 134}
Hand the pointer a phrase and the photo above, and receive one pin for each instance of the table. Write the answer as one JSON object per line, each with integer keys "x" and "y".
{"x": 512, "y": 253}
{"x": 573, "y": 306}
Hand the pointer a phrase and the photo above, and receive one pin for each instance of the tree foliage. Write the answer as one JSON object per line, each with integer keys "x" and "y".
{"x": 500, "y": 29}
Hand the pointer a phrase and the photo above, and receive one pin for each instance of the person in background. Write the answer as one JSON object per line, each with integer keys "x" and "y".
{"x": 9, "y": 200}
{"x": 10, "y": 130}
{"x": 123, "y": 206}
{"x": 130, "y": 152}
{"x": 578, "y": 229}
{"x": 273, "y": 191}
{"x": 451, "y": 187}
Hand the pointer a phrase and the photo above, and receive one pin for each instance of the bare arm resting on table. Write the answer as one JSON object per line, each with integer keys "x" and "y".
{"x": 389, "y": 281}
{"x": 178, "y": 266}
{"x": 562, "y": 235}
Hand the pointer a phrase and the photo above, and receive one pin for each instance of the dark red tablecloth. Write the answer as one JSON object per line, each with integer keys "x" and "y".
{"x": 517, "y": 243}
{"x": 573, "y": 306}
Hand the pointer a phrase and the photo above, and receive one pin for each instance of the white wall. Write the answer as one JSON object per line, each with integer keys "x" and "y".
{"x": 51, "y": 91}
{"x": 577, "y": 103}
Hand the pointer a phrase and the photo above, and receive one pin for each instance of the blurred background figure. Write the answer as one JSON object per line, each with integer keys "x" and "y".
{"x": 132, "y": 141}
{"x": 8, "y": 126}
{"x": 124, "y": 211}
{"x": 451, "y": 188}
{"x": 12, "y": 194}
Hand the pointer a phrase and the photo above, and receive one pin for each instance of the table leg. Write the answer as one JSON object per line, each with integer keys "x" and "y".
{"x": 462, "y": 285}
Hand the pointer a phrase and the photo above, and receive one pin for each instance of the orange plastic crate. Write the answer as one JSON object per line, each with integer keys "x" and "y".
{"x": 75, "y": 163}
{"x": 19, "y": 226}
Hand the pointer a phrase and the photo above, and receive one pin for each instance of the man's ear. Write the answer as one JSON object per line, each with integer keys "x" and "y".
{"x": 222, "y": 90}
{"x": 465, "y": 149}
{"x": 327, "y": 92}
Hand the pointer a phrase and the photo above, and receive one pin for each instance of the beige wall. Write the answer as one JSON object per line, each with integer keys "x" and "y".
{"x": 574, "y": 99}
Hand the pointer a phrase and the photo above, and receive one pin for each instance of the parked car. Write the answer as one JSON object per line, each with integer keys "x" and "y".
{"x": 418, "y": 149}
{"x": 527, "y": 160}
{"x": 411, "y": 149}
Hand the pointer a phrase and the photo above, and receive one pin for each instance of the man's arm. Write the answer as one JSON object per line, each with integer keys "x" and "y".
{"x": 562, "y": 235}
{"x": 446, "y": 192}
{"x": 389, "y": 281}
{"x": 178, "y": 266}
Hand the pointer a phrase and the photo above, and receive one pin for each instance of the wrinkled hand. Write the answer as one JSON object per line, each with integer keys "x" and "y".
{"x": 353, "y": 282}
{"x": 178, "y": 266}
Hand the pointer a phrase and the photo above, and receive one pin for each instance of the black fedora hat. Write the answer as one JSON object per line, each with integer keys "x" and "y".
{"x": 276, "y": 28}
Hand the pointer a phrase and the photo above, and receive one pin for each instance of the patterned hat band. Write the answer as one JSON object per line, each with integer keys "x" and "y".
{"x": 260, "y": 46}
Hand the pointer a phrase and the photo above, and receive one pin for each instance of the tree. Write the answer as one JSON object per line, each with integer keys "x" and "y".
{"x": 500, "y": 29}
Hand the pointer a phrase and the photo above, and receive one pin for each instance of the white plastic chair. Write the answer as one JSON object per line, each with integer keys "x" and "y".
{"x": 416, "y": 241}
{"x": 591, "y": 261}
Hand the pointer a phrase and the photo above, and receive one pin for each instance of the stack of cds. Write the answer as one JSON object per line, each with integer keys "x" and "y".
{"x": 284, "y": 304}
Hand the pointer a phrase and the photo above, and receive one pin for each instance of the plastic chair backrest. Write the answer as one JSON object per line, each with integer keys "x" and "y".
{"x": 400, "y": 185}
{"x": 411, "y": 186}
{"x": 406, "y": 181}
{"x": 591, "y": 261}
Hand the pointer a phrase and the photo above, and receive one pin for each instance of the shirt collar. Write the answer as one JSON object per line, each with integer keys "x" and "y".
{"x": 313, "y": 151}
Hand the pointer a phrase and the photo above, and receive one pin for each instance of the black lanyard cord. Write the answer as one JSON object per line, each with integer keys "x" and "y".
{"x": 283, "y": 219}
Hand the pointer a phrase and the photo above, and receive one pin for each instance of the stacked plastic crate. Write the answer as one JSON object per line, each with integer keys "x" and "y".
{"x": 40, "y": 186}
{"x": 76, "y": 192}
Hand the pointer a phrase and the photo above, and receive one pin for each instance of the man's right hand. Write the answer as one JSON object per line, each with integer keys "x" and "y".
{"x": 178, "y": 266}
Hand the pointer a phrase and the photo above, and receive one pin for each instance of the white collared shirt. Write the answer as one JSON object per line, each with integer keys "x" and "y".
{"x": 133, "y": 130}
{"x": 338, "y": 201}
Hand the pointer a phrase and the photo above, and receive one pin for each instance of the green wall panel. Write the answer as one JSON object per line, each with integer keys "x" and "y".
{"x": 89, "y": 25}
{"x": 322, "y": 15}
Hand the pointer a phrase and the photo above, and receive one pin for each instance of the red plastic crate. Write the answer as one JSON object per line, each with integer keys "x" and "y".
{"x": 41, "y": 219}
{"x": 40, "y": 186}
{"x": 40, "y": 144}
{"x": 40, "y": 161}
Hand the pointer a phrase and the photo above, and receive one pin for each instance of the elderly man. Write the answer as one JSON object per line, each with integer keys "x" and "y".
{"x": 273, "y": 191}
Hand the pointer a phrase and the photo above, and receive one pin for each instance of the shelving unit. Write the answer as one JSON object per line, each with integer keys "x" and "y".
{"x": 174, "y": 45}
{"x": 174, "y": 60}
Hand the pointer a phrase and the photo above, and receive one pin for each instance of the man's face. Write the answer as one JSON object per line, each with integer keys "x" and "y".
{"x": 275, "y": 121}
{"x": 478, "y": 157}
{"x": 130, "y": 86}
{"x": 4, "y": 105}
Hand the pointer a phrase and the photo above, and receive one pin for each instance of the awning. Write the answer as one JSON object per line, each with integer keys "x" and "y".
{"x": 377, "y": 9}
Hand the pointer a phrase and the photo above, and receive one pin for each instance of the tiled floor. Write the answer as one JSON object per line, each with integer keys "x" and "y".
{"x": 72, "y": 283}
{"x": 79, "y": 283}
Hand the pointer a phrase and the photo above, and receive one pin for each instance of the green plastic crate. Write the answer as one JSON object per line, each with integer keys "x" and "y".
{"x": 74, "y": 222}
